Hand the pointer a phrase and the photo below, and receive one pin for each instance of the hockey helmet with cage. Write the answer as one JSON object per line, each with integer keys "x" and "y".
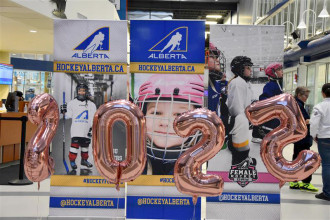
{"x": 187, "y": 88}
{"x": 215, "y": 70}
{"x": 271, "y": 70}
{"x": 237, "y": 66}
{"x": 82, "y": 97}
{"x": 171, "y": 89}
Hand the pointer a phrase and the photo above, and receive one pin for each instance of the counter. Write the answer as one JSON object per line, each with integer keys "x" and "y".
{"x": 10, "y": 136}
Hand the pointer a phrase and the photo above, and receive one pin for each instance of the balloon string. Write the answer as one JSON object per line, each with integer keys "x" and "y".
{"x": 193, "y": 218}
{"x": 117, "y": 199}
{"x": 38, "y": 208}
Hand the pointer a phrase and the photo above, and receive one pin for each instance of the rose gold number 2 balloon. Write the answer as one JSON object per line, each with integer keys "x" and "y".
{"x": 188, "y": 176}
{"x": 292, "y": 128}
{"x": 104, "y": 120}
{"x": 42, "y": 111}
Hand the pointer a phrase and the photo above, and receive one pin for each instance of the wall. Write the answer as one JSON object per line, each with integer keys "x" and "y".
{"x": 245, "y": 11}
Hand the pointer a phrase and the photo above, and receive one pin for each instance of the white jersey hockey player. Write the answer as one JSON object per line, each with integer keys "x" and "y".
{"x": 240, "y": 96}
{"x": 82, "y": 111}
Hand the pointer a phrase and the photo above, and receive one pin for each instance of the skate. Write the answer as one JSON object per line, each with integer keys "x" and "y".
{"x": 73, "y": 165}
{"x": 86, "y": 163}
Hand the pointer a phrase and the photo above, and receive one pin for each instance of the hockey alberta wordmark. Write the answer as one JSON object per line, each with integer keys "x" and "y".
{"x": 79, "y": 67}
{"x": 244, "y": 172}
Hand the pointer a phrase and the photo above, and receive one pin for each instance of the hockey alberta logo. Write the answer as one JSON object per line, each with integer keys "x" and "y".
{"x": 172, "y": 46}
{"x": 82, "y": 117}
{"x": 95, "y": 45}
{"x": 244, "y": 172}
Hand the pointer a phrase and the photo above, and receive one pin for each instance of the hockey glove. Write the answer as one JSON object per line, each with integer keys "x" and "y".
{"x": 63, "y": 108}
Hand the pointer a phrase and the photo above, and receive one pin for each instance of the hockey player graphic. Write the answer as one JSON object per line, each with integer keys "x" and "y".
{"x": 162, "y": 98}
{"x": 217, "y": 92}
{"x": 174, "y": 42}
{"x": 81, "y": 110}
{"x": 96, "y": 42}
{"x": 239, "y": 97}
{"x": 274, "y": 71}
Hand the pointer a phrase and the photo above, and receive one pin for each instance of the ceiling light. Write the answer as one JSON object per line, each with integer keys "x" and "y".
{"x": 213, "y": 16}
{"x": 210, "y": 22}
{"x": 302, "y": 25}
{"x": 33, "y": 31}
{"x": 324, "y": 13}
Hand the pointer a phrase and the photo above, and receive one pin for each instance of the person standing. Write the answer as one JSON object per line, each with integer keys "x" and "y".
{"x": 240, "y": 96}
{"x": 81, "y": 110}
{"x": 217, "y": 90}
{"x": 301, "y": 96}
{"x": 274, "y": 71}
{"x": 320, "y": 131}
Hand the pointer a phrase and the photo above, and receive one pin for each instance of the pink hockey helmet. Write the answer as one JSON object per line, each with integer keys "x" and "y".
{"x": 271, "y": 68}
{"x": 187, "y": 88}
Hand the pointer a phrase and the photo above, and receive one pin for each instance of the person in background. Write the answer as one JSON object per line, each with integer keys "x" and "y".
{"x": 301, "y": 96}
{"x": 320, "y": 131}
{"x": 274, "y": 71}
{"x": 11, "y": 99}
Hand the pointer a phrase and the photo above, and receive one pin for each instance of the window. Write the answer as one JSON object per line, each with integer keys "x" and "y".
{"x": 288, "y": 82}
{"x": 321, "y": 79}
{"x": 310, "y": 84}
{"x": 328, "y": 73}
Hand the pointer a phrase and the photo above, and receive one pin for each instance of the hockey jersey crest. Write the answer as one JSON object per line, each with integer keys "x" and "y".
{"x": 82, "y": 113}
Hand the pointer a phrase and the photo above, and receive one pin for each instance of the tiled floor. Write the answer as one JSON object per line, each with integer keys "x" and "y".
{"x": 26, "y": 202}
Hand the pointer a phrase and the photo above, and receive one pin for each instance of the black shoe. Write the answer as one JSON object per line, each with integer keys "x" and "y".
{"x": 73, "y": 165}
{"x": 322, "y": 196}
{"x": 86, "y": 163}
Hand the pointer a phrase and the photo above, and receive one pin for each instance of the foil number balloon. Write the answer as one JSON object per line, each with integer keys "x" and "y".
{"x": 188, "y": 176}
{"x": 103, "y": 122}
{"x": 292, "y": 128}
{"x": 42, "y": 111}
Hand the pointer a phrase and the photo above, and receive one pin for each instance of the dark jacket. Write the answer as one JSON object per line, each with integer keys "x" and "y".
{"x": 270, "y": 89}
{"x": 308, "y": 140}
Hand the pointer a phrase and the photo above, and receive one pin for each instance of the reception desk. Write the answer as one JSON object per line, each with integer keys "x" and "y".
{"x": 10, "y": 136}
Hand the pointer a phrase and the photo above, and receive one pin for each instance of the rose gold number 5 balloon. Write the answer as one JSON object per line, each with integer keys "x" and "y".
{"x": 42, "y": 111}
{"x": 188, "y": 176}
{"x": 292, "y": 128}
{"x": 103, "y": 122}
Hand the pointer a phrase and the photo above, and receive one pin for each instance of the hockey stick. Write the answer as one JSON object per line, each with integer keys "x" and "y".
{"x": 65, "y": 164}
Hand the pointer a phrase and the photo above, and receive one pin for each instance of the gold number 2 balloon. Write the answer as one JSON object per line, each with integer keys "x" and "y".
{"x": 292, "y": 128}
{"x": 42, "y": 111}
{"x": 103, "y": 122}
{"x": 188, "y": 175}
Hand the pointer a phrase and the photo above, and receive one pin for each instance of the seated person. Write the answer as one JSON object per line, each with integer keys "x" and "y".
{"x": 11, "y": 99}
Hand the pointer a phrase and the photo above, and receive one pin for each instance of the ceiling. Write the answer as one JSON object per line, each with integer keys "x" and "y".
{"x": 16, "y": 21}
{"x": 186, "y": 9}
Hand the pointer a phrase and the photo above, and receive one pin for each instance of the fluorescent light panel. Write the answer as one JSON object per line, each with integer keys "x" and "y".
{"x": 213, "y": 16}
{"x": 210, "y": 22}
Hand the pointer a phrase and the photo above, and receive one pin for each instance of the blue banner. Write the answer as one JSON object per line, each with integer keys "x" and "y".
{"x": 147, "y": 207}
{"x": 246, "y": 198}
{"x": 167, "y": 41}
{"x": 95, "y": 203}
